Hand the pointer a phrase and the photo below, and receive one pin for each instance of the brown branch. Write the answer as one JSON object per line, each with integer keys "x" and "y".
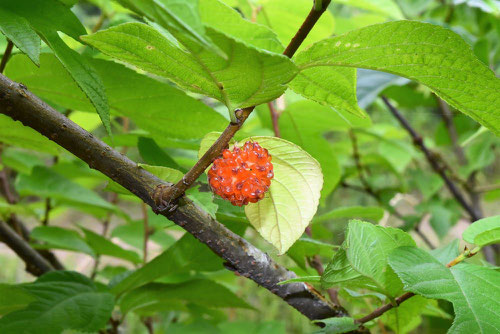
{"x": 35, "y": 263}
{"x": 6, "y": 55}
{"x": 167, "y": 196}
{"x": 241, "y": 256}
{"x": 436, "y": 166}
{"x": 274, "y": 118}
{"x": 381, "y": 310}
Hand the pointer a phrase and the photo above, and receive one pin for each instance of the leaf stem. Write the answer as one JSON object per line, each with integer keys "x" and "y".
{"x": 6, "y": 55}
{"x": 170, "y": 195}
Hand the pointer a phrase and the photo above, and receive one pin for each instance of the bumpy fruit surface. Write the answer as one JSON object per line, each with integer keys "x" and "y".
{"x": 243, "y": 175}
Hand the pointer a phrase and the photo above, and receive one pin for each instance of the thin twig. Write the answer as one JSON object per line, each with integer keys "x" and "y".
{"x": 6, "y": 55}
{"x": 35, "y": 263}
{"x": 48, "y": 207}
{"x": 168, "y": 196}
{"x": 419, "y": 143}
{"x": 381, "y": 310}
{"x": 274, "y": 118}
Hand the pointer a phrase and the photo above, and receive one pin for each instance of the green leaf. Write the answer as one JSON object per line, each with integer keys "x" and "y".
{"x": 60, "y": 238}
{"x": 44, "y": 182}
{"x": 303, "y": 123}
{"x": 103, "y": 246}
{"x": 441, "y": 220}
{"x": 303, "y": 118}
{"x": 84, "y": 75}
{"x": 16, "y": 134}
{"x": 219, "y": 16}
{"x": 427, "y": 182}
{"x": 186, "y": 254}
{"x": 474, "y": 291}
{"x": 13, "y": 298}
{"x": 359, "y": 212}
{"x": 204, "y": 199}
{"x": 331, "y": 86}
{"x": 337, "y": 325}
{"x": 305, "y": 247}
{"x": 387, "y": 7}
{"x": 178, "y": 16}
{"x": 446, "y": 253}
{"x": 133, "y": 234}
{"x": 367, "y": 249}
{"x": 291, "y": 202}
{"x": 8, "y": 209}
{"x": 483, "y": 232}
{"x": 18, "y": 30}
{"x": 339, "y": 272}
{"x": 152, "y": 105}
{"x": 65, "y": 300}
{"x": 153, "y": 155}
{"x": 164, "y": 173}
{"x": 248, "y": 77}
{"x": 429, "y": 54}
{"x": 286, "y": 22}
{"x": 202, "y": 292}
{"x": 20, "y": 160}
{"x": 48, "y": 17}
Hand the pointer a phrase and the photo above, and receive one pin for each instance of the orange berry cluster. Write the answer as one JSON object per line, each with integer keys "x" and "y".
{"x": 243, "y": 175}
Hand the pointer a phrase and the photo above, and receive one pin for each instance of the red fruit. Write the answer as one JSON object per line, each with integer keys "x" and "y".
{"x": 243, "y": 175}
